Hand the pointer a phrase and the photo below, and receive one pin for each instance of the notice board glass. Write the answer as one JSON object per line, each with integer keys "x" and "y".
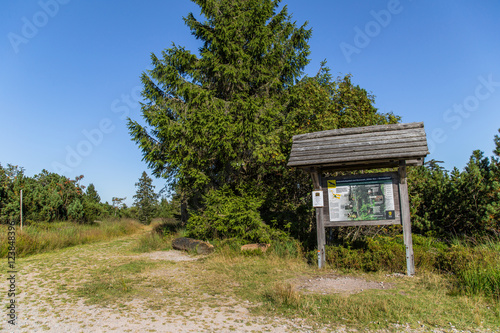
{"x": 367, "y": 199}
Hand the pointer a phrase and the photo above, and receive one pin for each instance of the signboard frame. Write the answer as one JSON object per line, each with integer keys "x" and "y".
{"x": 369, "y": 182}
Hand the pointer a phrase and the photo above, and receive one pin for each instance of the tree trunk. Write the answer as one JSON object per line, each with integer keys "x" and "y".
{"x": 189, "y": 244}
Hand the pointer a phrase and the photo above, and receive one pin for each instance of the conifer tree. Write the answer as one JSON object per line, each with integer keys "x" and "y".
{"x": 214, "y": 115}
{"x": 145, "y": 198}
{"x": 226, "y": 117}
{"x": 92, "y": 194}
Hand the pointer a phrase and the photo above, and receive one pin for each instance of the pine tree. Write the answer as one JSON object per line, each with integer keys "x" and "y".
{"x": 145, "y": 198}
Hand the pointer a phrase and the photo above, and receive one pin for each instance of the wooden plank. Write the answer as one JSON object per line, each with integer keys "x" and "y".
{"x": 365, "y": 136}
{"x": 348, "y": 149}
{"x": 355, "y": 143}
{"x": 358, "y": 130}
{"x": 361, "y": 223}
{"x": 399, "y": 153}
{"x": 386, "y": 154}
{"x": 315, "y": 175}
{"x": 366, "y": 166}
{"x": 362, "y": 165}
{"x": 405, "y": 216}
{"x": 362, "y": 159}
{"x": 393, "y": 175}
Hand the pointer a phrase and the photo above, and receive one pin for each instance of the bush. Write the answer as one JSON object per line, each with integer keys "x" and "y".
{"x": 227, "y": 215}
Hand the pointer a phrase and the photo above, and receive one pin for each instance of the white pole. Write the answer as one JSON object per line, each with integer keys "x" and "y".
{"x": 21, "y": 210}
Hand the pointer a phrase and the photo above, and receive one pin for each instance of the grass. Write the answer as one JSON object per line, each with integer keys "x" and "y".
{"x": 160, "y": 238}
{"x": 107, "y": 285}
{"x": 427, "y": 301}
{"x": 477, "y": 279}
{"x": 42, "y": 237}
{"x": 455, "y": 285}
{"x": 152, "y": 242}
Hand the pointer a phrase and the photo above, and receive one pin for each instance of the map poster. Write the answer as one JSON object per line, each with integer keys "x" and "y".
{"x": 368, "y": 198}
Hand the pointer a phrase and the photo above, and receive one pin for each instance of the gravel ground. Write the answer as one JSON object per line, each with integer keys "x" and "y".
{"x": 42, "y": 307}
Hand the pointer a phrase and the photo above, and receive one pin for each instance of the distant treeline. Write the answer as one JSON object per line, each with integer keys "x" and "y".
{"x": 49, "y": 197}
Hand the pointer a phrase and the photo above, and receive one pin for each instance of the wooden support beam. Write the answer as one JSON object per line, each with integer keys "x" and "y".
{"x": 405, "y": 217}
{"x": 320, "y": 227}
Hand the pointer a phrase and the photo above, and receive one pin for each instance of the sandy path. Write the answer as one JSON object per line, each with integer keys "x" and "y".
{"x": 46, "y": 303}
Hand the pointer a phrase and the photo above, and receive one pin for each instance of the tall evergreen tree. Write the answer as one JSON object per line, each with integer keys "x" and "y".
{"x": 214, "y": 115}
{"x": 227, "y": 116}
{"x": 92, "y": 194}
{"x": 145, "y": 198}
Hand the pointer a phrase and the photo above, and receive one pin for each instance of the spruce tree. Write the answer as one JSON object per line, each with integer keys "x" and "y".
{"x": 92, "y": 194}
{"x": 226, "y": 117}
{"x": 145, "y": 198}
{"x": 214, "y": 116}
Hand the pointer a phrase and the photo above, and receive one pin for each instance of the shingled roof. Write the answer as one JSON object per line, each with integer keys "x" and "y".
{"x": 378, "y": 146}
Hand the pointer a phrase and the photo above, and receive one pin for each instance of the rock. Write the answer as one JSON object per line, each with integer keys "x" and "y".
{"x": 252, "y": 247}
{"x": 189, "y": 244}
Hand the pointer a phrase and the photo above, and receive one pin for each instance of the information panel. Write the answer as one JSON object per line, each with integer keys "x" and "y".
{"x": 362, "y": 198}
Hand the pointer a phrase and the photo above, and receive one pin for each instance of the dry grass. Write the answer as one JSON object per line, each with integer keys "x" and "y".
{"x": 42, "y": 237}
{"x": 111, "y": 274}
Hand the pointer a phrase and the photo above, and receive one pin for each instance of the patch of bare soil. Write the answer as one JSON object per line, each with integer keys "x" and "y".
{"x": 334, "y": 284}
{"x": 171, "y": 255}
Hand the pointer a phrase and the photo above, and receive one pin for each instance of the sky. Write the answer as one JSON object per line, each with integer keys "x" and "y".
{"x": 70, "y": 75}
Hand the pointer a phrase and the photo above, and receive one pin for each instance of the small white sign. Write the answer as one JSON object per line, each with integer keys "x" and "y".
{"x": 317, "y": 199}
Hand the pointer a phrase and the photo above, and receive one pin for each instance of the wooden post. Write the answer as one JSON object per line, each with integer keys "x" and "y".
{"x": 320, "y": 228}
{"x": 405, "y": 218}
{"x": 21, "y": 209}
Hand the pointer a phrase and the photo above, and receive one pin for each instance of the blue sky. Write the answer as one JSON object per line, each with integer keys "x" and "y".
{"x": 70, "y": 69}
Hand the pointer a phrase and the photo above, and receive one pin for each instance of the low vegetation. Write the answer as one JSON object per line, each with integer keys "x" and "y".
{"x": 42, "y": 237}
{"x": 438, "y": 297}
{"x": 456, "y": 285}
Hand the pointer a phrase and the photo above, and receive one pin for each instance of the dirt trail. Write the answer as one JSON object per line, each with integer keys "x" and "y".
{"x": 162, "y": 302}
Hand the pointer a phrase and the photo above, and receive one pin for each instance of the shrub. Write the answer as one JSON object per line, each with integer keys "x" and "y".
{"x": 227, "y": 215}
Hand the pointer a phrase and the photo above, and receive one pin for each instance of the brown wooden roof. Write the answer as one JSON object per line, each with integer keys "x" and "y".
{"x": 378, "y": 146}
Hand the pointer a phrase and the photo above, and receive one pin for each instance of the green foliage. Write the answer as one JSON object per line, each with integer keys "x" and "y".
{"x": 230, "y": 216}
{"x": 153, "y": 241}
{"x": 75, "y": 210}
{"x": 215, "y": 117}
{"x": 227, "y": 117}
{"x": 457, "y": 203}
{"x": 145, "y": 199}
{"x": 480, "y": 279}
{"x": 47, "y": 197}
{"x": 369, "y": 254}
{"x": 92, "y": 194}
{"x": 472, "y": 269}
{"x": 168, "y": 211}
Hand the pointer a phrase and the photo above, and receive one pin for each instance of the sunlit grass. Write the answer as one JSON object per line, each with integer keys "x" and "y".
{"x": 43, "y": 237}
